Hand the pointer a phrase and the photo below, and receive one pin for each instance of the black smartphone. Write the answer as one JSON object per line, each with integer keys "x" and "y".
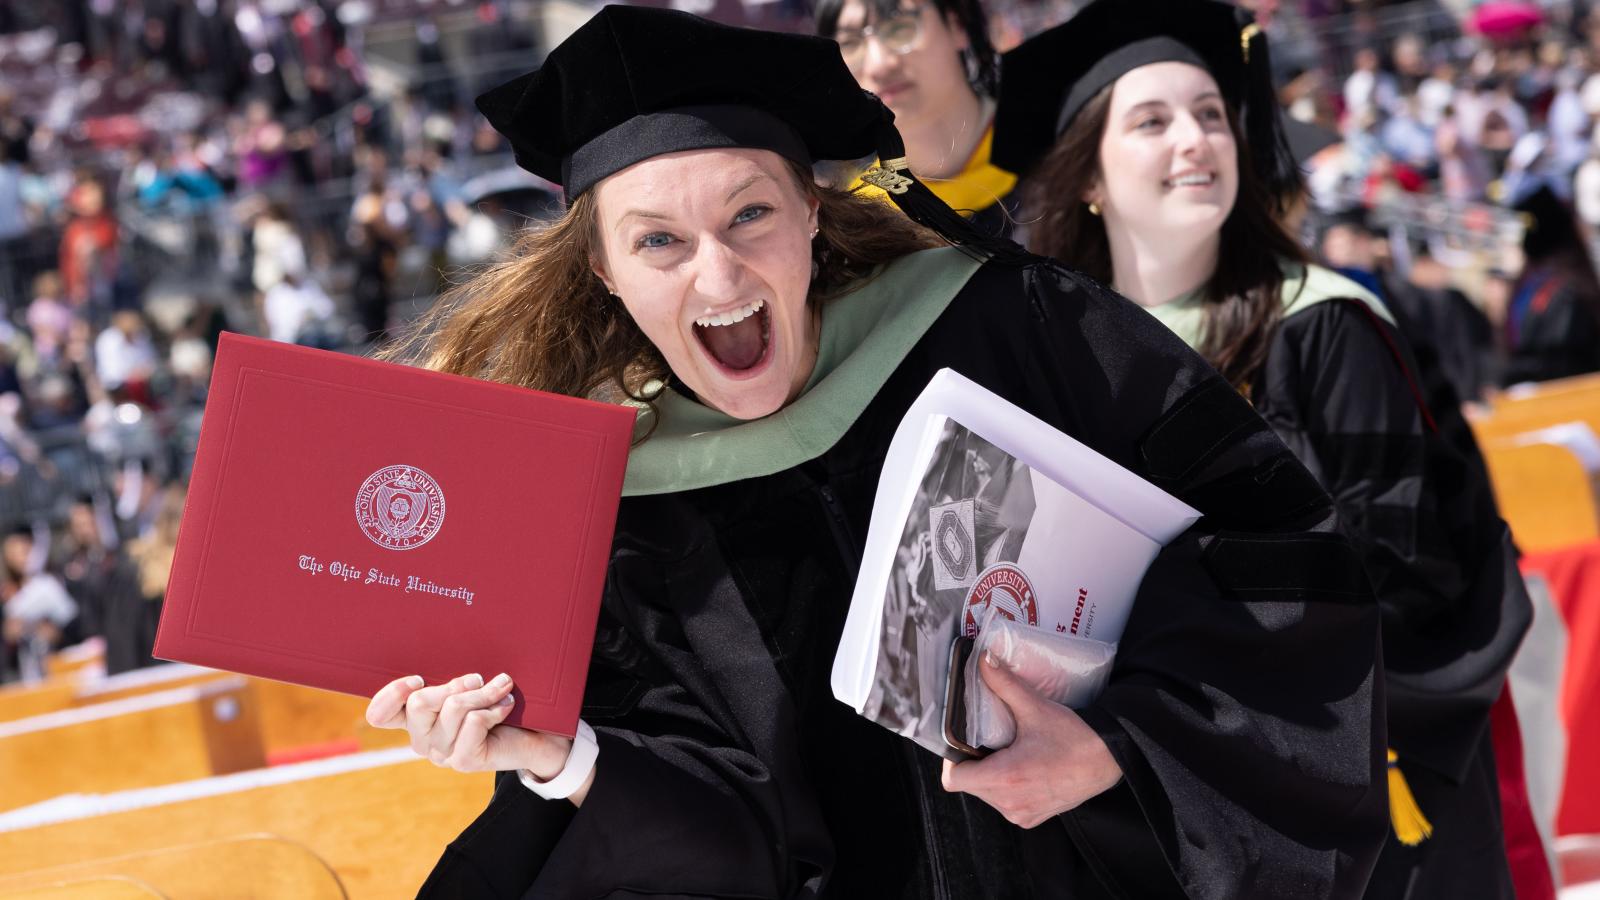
{"x": 955, "y": 700}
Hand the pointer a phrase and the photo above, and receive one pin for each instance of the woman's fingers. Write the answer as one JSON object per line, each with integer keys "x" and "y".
{"x": 1019, "y": 697}
{"x": 455, "y": 709}
{"x": 388, "y": 706}
{"x": 470, "y": 751}
{"x": 422, "y": 708}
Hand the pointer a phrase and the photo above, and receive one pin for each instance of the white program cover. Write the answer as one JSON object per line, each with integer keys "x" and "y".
{"x": 982, "y": 505}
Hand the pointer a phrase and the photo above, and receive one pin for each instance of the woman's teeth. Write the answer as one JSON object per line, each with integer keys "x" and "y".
{"x": 1195, "y": 180}
{"x": 712, "y": 320}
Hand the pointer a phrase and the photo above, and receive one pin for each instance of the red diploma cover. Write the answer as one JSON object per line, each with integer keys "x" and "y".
{"x": 350, "y": 522}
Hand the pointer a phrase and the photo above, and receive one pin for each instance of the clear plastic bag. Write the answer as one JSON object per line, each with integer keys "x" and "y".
{"x": 1066, "y": 669}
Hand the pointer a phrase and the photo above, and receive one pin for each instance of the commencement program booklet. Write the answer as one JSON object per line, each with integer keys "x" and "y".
{"x": 351, "y": 521}
{"x": 982, "y": 506}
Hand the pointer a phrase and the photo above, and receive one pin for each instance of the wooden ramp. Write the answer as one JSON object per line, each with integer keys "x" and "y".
{"x": 176, "y": 735}
{"x": 1545, "y": 494}
{"x": 20, "y": 701}
{"x": 85, "y": 687}
{"x": 378, "y": 819}
{"x": 293, "y": 719}
{"x": 108, "y": 888}
{"x": 253, "y": 867}
{"x": 87, "y": 658}
{"x": 1554, "y": 402}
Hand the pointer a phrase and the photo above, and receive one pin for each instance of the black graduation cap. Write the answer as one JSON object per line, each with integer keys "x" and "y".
{"x": 1046, "y": 80}
{"x": 636, "y": 82}
{"x": 1548, "y": 224}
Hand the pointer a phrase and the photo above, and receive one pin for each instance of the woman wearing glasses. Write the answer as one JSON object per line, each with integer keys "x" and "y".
{"x": 932, "y": 64}
{"x": 1150, "y": 138}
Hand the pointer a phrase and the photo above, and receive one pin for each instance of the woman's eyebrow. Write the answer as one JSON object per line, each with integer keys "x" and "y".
{"x": 746, "y": 184}
{"x": 1146, "y": 106}
{"x": 638, "y": 214}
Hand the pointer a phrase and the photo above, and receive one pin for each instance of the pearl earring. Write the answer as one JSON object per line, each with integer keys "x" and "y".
{"x": 1094, "y": 209}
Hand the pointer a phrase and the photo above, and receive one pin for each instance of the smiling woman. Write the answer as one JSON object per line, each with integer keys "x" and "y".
{"x": 773, "y": 333}
{"x": 737, "y": 327}
{"x": 1155, "y": 161}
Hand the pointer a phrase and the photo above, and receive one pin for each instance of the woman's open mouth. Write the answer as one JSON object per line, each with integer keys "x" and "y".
{"x": 739, "y": 341}
{"x": 1191, "y": 180}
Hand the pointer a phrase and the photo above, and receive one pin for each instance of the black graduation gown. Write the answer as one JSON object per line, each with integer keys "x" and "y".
{"x": 1557, "y": 337}
{"x": 1448, "y": 336}
{"x": 1241, "y": 708}
{"x": 1338, "y": 387}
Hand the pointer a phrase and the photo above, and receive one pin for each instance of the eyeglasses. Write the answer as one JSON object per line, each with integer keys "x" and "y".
{"x": 897, "y": 33}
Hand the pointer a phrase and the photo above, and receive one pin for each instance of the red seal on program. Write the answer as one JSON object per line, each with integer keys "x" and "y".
{"x": 400, "y": 507}
{"x": 1004, "y": 587}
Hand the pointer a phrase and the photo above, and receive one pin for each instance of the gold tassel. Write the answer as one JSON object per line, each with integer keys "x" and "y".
{"x": 1246, "y": 35}
{"x": 1410, "y": 825}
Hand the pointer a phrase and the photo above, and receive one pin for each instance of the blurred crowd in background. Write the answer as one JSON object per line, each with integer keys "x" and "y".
{"x": 313, "y": 171}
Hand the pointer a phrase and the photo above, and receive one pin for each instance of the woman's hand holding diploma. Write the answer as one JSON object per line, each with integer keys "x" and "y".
{"x": 459, "y": 725}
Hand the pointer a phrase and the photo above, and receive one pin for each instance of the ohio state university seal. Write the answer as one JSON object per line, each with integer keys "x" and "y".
{"x": 1004, "y": 587}
{"x": 400, "y": 507}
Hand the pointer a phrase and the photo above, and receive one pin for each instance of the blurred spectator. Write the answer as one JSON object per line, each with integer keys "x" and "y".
{"x": 124, "y": 355}
{"x": 1552, "y": 325}
{"x": 37, "y": 609}
{"x": 92, "y": 565}
{"x": 278, "y": 250}
{"x": 89, "y": 247}
{"x": 13, "y": 225}
{"x": 376, "y": 231}
{"x": 49, "y": 318}
{"x": 1408, "y": 139}
{"x": 15, "y": 128}
{"x": 179, "y": 180}
{"x": 297, "y": 311}
{"x": 1568, "y": 123}
{"x": 1435, "y": 95}
{"x": 1464, "y": 174}
{"x": 1369, "y": 89}
{"x": 1586, "y": 185}
{"x": 131, "y": 617}
{"x": 261, "y": 148}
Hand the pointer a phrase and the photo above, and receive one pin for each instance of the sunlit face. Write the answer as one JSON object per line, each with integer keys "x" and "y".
{"x": 710, "y": 251}
{"x": 919, "y": 80}
{"x": 1168, "y": 162}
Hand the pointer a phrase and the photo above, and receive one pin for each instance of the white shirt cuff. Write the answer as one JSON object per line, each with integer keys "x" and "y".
{"x": 580, "y": 762}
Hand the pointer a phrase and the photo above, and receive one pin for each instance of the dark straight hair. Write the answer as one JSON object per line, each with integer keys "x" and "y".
{"x": 1243, "y": 302}
{"x": 980, "y": 58}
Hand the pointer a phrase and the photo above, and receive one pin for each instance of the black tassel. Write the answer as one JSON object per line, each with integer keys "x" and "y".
{"x": 894, "y": 176}
{"x": 1263, "y": 120}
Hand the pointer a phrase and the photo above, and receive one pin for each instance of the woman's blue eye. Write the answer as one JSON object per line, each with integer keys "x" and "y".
{"x": 655, "y": 240}
{"x": 1212, "y": 115}
{"x": 751, "y": 213}
{"x": 1148, "y": 124}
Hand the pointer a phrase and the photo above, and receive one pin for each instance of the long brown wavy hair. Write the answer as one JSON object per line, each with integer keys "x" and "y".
{"x": 1243, "y": 302}
{"x": 541, "y": 318}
